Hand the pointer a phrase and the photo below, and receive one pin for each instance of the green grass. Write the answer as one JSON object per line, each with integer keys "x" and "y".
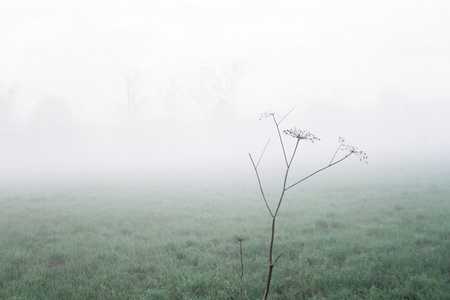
{"x": 160, "y": 241}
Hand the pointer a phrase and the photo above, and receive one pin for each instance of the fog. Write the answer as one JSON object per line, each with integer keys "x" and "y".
{"x": 155, "y": 90}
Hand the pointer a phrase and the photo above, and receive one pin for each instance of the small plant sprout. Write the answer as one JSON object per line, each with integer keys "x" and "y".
{"x": 300, "y": 136}
{"x": 241, "y": 239}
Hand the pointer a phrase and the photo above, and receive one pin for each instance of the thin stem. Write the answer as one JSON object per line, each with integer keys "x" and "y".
{"x": 260, "y": 185}
{"x": 293, "y": 153}
{"x": 336, "y": 152}
{"x": 242, "y": 270}
{"x": 283, "y": 191}
{"x": 286, "y": 177}
{"x": 282, "y": 194}
{"x": 271, "y": 264}
{"x": 324, "y": 168}
{"x": 277, "y": 258}
{"x": 272, "y": 236}
{"x": 281, "y": 140}
{"x": 267, "y": 144}
{"x": 286, "y": 115}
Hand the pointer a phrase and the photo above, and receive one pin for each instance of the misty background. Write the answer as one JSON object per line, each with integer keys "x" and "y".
{"x": 159, "y": 89}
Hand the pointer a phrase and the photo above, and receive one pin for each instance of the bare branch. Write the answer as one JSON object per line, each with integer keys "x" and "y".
{"x": 324, "y": 168}
{"x": 281, "y": 140}
{"x": 267, "y": 144}
{"x": 260, "y": 185}
{"x": 341, "y": 140}
{"x": 293, "y": 153}
{"x": 286, "y": 115}
{"x": 286, "y": 177}
{"x": 277, "y": 258}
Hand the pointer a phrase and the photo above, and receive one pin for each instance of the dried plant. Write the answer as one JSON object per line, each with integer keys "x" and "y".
{"x": 299, "y": 135}
{"x": 241, "y": 239}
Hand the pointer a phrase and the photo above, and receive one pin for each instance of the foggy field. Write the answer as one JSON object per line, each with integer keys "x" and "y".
{"x": 177, "y": 240}
{"x": 131, "y": 132}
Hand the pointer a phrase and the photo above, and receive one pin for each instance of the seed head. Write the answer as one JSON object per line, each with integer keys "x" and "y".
{"x": 301, "y": 135}
{"x": 241, "y": 238}
{"x": 352, "y": 149}
{"x": 266, "y": 115}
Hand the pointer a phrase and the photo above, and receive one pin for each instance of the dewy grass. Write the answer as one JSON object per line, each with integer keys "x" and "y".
{"x": 391, "y": 241}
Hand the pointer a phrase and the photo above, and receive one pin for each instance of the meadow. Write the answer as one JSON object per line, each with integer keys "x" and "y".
{"x": 383, "y": 239}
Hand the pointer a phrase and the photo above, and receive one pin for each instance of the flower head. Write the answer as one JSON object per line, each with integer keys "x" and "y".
{"x": 301, "y": 135}
{"x": 353, "y": 150}
{"x": 267, "y": 115}
{"x": 241, "y": 238}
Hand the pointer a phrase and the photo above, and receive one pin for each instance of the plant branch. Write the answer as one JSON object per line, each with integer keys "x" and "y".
{"x": 342, "y": 142}
{"x": 260, "y": 185}
{"x": 286, "y": 115}
{"x": 277, "y": 258}
{"x": 286, "y": 177}
{"x": 324, "y": 168}
{"x": 281, "y": 140}
{"x": 242, "y": 270}
{"x": 293, "y": 153}
{"x": 267, "y": 144}
{"x": 271, "y": 263}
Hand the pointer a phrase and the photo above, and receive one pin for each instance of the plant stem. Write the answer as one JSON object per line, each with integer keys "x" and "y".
{"x": 286, "y": 178}
{"x": 271, "y": 264}
{"x": 336, "y": 152}
{"x": 260, "y": 185}
{"x": 242, "y": 270}
{"x": 281, "y": 140}
{"x": 314, "y": 173}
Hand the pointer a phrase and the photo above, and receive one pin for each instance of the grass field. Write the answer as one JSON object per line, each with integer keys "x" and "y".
{"x": 381, "y": 240}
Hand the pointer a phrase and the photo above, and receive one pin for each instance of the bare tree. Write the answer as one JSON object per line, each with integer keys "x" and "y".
{"x": 232, "y": 75}
{"x": 51, "y": 113}
{"x": 134, "y": 82}
{"x": 7, "y": 98}
{"x": 226, "y": 84}
{"x": 202, "y": 92}
{"x": 220, "y": 87}
{"x": 170, "y": 96}
{"x": 299, "y": 136}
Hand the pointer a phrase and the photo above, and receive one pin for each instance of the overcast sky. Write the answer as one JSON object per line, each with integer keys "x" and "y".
{"x": 351, "y": 49}
{"x": 382, "y": 65}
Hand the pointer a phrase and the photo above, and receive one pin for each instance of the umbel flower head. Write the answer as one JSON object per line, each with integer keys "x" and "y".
{"x": 352, "y": 149}
{"x": 266, "y": 115}
{"x": 241, "y": 238}
{"x": 301, "y": 135}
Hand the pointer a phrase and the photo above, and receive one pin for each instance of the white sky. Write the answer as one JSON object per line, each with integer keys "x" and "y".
{"x": 356, "y": 48}
{"x": 386, "y": 64}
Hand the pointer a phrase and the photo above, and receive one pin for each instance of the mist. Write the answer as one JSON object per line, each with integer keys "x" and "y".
{"x": 158, "y": 90}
